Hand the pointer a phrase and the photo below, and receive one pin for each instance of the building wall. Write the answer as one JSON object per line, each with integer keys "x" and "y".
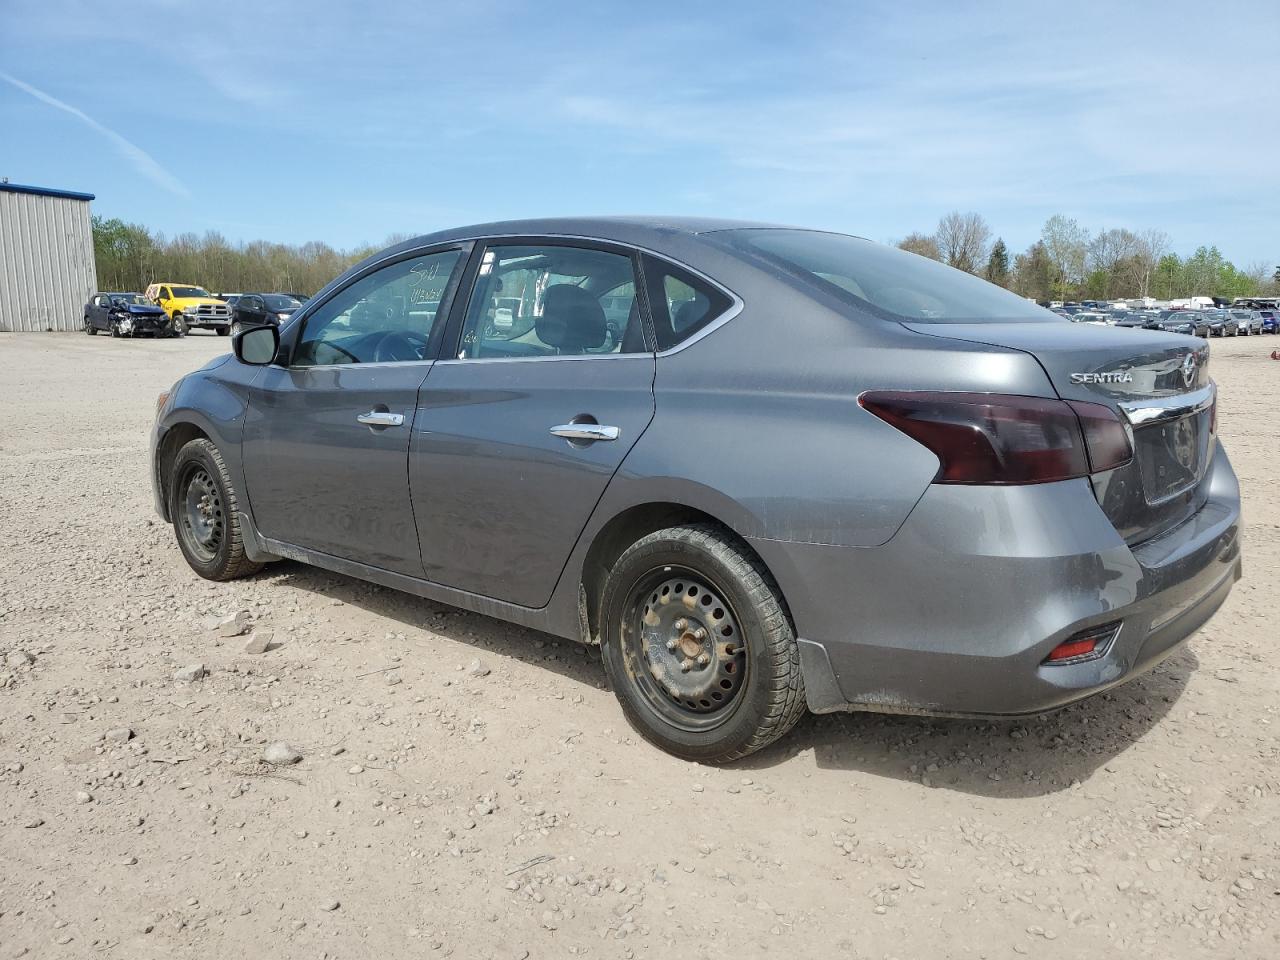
{"x": 46, "y": 262}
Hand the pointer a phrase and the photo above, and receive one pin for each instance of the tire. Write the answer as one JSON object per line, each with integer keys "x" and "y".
{"x": 235, "y": 327}
{"x": 89, "y": 328}
{"x": 742, "y": 688}
{"x": 224, "y": 331}
{"x": 202, "y": 506}
{"x": 180, "y": 327}
{"x": 115, "y": 329}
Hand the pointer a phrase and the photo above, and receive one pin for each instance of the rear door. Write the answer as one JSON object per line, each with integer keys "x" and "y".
{"x": 518, "y": 432}
{"x": 326, "y": 438}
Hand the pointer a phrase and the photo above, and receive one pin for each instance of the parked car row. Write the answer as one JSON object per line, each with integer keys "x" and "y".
{"x": 1219, "y": 322}
{"x": 173, "y": 309}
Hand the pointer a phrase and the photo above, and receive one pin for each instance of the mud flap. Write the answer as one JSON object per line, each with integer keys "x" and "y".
{"x": 821, "y": 690}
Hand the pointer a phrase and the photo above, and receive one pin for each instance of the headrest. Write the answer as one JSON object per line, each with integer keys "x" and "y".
{"x": 572, "y": 319}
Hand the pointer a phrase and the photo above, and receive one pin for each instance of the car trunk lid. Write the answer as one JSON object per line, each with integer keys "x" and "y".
{"x": 1159, "y": 384}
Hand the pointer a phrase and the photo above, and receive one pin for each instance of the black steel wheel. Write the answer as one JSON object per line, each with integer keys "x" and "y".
{"x": 202, "y": 523}
{"x": 698, "y": 645}
{"x": 202, "y": 507}
{"x": 684, "y": 637}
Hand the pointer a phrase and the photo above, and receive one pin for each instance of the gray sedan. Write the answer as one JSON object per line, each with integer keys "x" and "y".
{"x": 764, "y": 469}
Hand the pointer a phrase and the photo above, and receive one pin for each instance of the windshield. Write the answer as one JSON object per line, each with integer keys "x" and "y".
{"x": 189, "y": 291}
{"x": 276, "y": 301}
{"x": 891, "y": 282}
{"x": 124, "y": 299}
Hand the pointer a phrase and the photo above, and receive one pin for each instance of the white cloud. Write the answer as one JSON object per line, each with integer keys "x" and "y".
{"x": 142, "y": 161}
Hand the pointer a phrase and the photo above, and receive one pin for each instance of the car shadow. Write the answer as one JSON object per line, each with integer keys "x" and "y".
{"x": 1000, "y": 759}
{"x": 997, "y": 758}
{"x": 487, "y": 635}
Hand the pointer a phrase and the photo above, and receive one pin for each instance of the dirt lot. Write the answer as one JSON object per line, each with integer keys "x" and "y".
{"x": 441, "y": 810}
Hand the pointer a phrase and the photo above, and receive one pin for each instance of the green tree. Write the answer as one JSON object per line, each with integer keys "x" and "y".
{"x": 998, "y": 264}
{"x": 1033, "y": 273}
{"x": 1167, "y": 283}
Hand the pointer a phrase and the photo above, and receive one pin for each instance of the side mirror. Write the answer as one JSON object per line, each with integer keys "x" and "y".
{"x": 256, "y": 346}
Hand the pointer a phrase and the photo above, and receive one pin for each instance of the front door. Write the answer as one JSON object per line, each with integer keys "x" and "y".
{"x": 326, "y": 439}
{"x": 519, "y": 432}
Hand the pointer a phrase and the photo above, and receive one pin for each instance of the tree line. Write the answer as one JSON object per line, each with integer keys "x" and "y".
{"x": 129, "y": 257}
{"x": 1068, "y": 262}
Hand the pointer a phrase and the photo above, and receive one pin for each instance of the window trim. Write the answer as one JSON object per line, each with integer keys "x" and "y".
{"x": 458, "y": 318}
{"x": 298, "y": 322}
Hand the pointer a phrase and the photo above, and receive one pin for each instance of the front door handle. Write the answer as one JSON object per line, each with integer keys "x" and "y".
{"x": 585, "y": 431}
{"x": 381, "y": 418}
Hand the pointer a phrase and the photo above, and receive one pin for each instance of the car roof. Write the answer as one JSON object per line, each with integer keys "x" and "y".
{"x": 654, "y": 232}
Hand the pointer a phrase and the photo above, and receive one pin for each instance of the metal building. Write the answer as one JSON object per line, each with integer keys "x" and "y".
{"x": 46, "y": 258}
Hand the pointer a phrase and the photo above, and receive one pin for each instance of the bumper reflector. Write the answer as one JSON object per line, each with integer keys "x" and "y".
{"x": 1086, "y": 645}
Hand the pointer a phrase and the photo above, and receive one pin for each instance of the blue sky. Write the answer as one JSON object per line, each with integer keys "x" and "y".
{"x": 296, "y": 121}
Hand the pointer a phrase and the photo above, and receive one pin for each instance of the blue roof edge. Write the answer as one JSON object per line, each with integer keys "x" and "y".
{"x": 45, "y": 191}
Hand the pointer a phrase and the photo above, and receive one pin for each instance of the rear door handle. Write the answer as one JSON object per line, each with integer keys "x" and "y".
{"x": 585, "y": 431}
{"x": 381, "y": 418}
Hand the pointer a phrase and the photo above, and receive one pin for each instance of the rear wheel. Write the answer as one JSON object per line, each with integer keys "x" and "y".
{"x": 698, "y": 646}
{"x": 202, "y": 505}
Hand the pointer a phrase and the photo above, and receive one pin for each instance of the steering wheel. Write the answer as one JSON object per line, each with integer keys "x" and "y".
{"x": 400, "y": 345}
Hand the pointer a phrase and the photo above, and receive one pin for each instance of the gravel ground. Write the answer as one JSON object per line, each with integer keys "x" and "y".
{"x": 470, "y": 788}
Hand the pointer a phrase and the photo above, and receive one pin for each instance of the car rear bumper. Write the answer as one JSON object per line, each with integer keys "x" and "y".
{"x": 957, "y": 613}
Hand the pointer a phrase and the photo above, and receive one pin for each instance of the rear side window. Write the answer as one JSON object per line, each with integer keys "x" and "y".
{"x": 552, "y": 300}
{"x": 890, "y": 282}
{"x": 682, "y": 303}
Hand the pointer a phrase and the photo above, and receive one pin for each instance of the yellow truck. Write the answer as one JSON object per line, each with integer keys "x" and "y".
{"x": 191, "y": 308}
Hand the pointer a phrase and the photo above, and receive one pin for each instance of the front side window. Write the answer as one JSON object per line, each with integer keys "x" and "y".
{"x": 385, "y": 316}
{"x": 884, "y": 280}
{"x": 551, "y": 300}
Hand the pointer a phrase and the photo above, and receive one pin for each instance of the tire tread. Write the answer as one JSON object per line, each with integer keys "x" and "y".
{"x": 786, "y": 702}
{"x": 237, "y": 564}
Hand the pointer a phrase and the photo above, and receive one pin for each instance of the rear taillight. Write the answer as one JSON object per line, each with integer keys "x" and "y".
{"x": 983, "y": 438}
{"x": 1105, "y": 438}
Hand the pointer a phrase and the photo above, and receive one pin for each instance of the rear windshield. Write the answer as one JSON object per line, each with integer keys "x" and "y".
{"x": 891, "y": 282}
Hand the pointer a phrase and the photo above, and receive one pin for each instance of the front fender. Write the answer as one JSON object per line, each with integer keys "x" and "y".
{"x": 211, "y": 402}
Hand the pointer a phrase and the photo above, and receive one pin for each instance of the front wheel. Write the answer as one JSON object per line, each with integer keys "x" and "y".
{"x": 224, "y": 331}
{"x": 202, "y": 506}
{"x": 698, "y": 646}
{"x": 180, "y": 326}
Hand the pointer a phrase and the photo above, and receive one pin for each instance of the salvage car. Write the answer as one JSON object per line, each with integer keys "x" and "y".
{"x": 1221, "y": 323}
{"x": 805, "y": 473}
{"x": 256, "y": 309}
{"x": 191, "y": 308}
{"x": 1191, "y": 322}
{"x": 126, "y": 315}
